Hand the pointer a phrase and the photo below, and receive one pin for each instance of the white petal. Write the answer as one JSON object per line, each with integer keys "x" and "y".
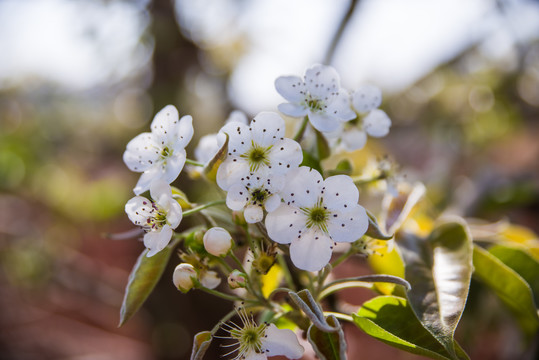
{"x": 174, "y": 165}
{"x": 143, "y": 184}
{"x": 138, "y": 209}
{"x": 377, "y": 123}
{"x": 166, "y": 124}
{"x": 291, "y": 88}
{"x": 142, "y": 152}
{"x": 340, "y": 193}
{"x": 185, "y": 131}
{"x": 272, "y": 203}
{"x": 323, "y": 122}
{"x": 267, "y": 128}
{"x": 210, "y": 279}
{"x": 285, "y": 155}
{"x": 156, "y": 241}
{"x": 231, "y": 171}
{"x": 285, "y": 224}
{"x": 322, "y": 81}
{"x": 340, "y": 107}
{"x": 237, "y": 197}
{"x": 294, "y": 110}
{"x": 348, "y": 226}
{"x": 239, "y": 138}
{"x": 281, "y": 342}
{"x": 174, "y": 214}
{"x": 312, "y": 250}
{"x": 207, "y": 147}
{"x": 237, "y": 116}
{"x": 303, "y": 187}
{"x": 354, "y": 139}
{"x": 253, "y": 355}
{"x": 160, "y": 191}
{"x": 253, "y": 214}
{"x": 366, "y": 98}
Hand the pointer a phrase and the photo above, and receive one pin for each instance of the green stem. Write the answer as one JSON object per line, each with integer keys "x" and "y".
{"x": 301, "y": 130}
{"x": 340, "y": 316}
{"x": 202, "y": 207}
{"x": 220, "y": 294}
{"x": 193, "y": 162}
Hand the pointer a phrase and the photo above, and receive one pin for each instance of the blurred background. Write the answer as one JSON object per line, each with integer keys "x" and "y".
{"x": 80, "y": 78}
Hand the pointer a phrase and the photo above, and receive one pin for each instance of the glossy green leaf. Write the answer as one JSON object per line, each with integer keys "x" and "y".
{"x": 201, "y": 343}
{"x": 510, "y": 287}
{"x": 142, "y": 280}
{"x": 391, "y": 320}
{"x": 439, "y": 269}
{"x": 328, "y": 345}
{"x": 521, "y": 261}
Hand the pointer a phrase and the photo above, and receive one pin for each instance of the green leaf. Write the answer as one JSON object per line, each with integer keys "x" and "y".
{"x": 142, "y": 280}
{"x": 439, "y": 269}
{"x": 201, "y": 343}
{"x": 210, "y": 170}
{"x": 521, "y": 261}
{"x": 361, "y": 281}
{"x": 510, "y": 287}
{"x": 328, "y": 345}
{"x": 305, "y": 301}
{"x": 391, "y": 320}
{"x": 344, "y": 167}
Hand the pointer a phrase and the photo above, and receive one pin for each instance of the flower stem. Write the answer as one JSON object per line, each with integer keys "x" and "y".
{"x": 202, "y": 207}
{"x": 193, "y": 162}
{"x": 301, "y": 130}
{"x": 220, "y": 294}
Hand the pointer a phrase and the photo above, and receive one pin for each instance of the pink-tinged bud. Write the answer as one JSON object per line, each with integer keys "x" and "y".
{"x": 236, "y": 279}
{"x": 183, "y": 277}
{"x": 217, "y": 241}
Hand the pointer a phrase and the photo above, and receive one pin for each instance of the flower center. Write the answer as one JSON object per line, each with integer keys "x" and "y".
{"x": 315, "y": 104}
{"x": 156, "y": 220}
{"x": 257, "y": 156}
{"x": 165, "y": 152}
{"x": 259, "y": 196}
{"x": 317, "y": 216}
{"x": 249, "y": 336}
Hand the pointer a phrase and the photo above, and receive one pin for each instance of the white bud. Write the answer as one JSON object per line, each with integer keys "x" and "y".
{"x": 217, "y": 241}
{"x": 236, "y": 279}
{"x": 183, "y": 277}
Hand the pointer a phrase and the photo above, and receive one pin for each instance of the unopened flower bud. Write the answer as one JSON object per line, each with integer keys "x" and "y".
{"x": 236, "y": 279}
{"x": 217, "y": 241}
{"x": 183, "y": 277}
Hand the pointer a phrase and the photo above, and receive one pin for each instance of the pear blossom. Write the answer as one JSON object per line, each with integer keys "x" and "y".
{"x": 253, "y": 193}
{"x": 160, "y": 154}
{"x": 260, "y": 148}
{"x": 372, "y": 121}
{"x": 256, "y": 342}
{"x": 315, "y": 214}
{"x": 318, "y": 95}
{"x": 183, "y": 277}
{"x": 158, "y": 217}
{"x": 217, "y": 241}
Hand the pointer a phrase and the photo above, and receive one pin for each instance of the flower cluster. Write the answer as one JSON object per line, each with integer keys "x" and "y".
{"x": 282, "y": 203}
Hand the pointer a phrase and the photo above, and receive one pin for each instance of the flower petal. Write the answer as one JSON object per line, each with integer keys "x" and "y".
{"x": 156, "y": 241}
{"x": 340, "y": 193}
{"x": 366, "y": 98}
{"x": 281, "y": 342}
{"x": 285, "y": 155}
{"x": 160, "y": 191}
{"x": 291, "y": 88}
{"x": 231, "y": 171}
{"x": 321, "y": 81}
{"x": 142, "y": 152}
{"x": 294, "y": 110}
{"x": 311, "y": 250}
{"x": 237, "y": 116}
{"x": 207, "y": 147}
{"x": 174, "y": 165}
{"x": 348, "y": 226}
{"x": 239, "y": 137}
{"x": 165, "y": 124}
{"x": 210, "y": 279}
{"x": 138, "y": 209}
{"x": 272, "y": 203}
{"x": 185, "y": 131}
{"x": 285, "y": 224}
{"x": 303, "y": 187}
{"x": 377, "y": 123}
{"x": 143, "y": 184}
{"x": 354, "y": 139}
{"x": 340, "y": 107}
{"x": 237, "y": 197}
{"x": 323, "y": 122}
{"x": 267, "y": 128}
{"x": 253, "y": 214}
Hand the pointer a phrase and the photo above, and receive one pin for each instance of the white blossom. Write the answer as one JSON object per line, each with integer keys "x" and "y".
{"x": 258, "y": 148}
{"x": 217, "y": 241}
{"x": 183, "y": 277}
{"x": 256, "y": 342}
{"x": 158, "y": 217}
{"x": 315, "y": 214}
{"x": 318, "y": 95}
{"x": 160, "y": 154}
